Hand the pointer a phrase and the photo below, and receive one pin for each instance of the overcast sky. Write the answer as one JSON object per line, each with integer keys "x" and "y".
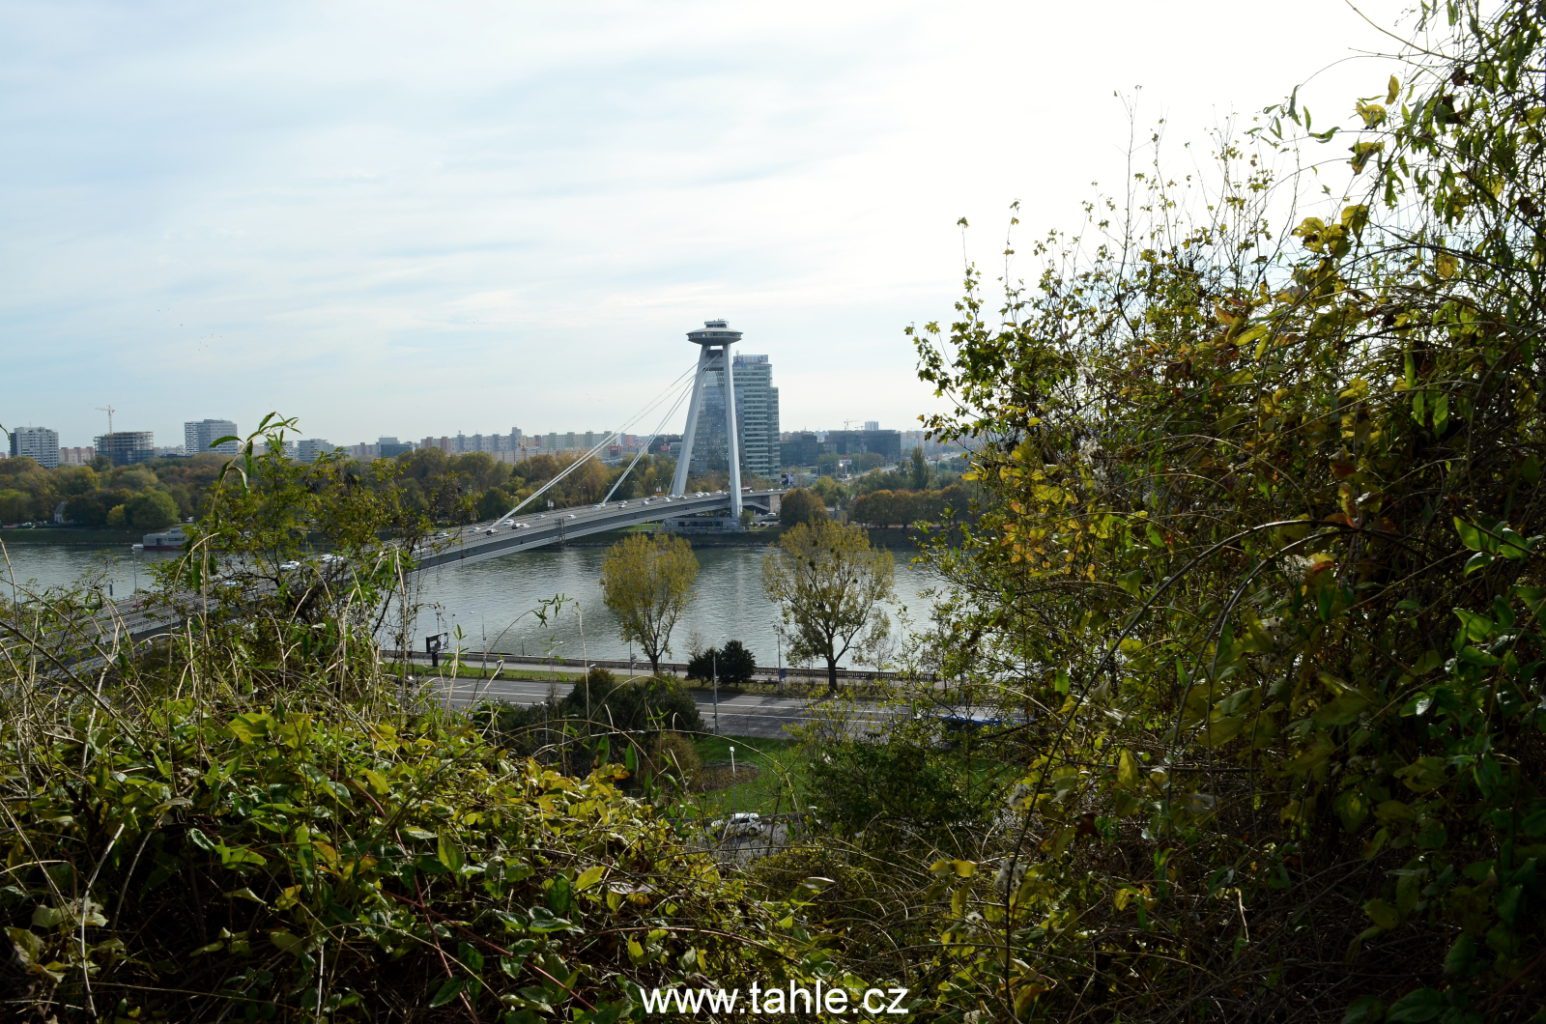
{"x": 411, "y": 219}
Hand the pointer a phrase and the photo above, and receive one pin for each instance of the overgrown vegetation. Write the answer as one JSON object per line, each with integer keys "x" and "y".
{"x": 1262, "y": 545}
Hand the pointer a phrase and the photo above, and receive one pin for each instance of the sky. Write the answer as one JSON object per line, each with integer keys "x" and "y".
{"x": 413, "y": 219}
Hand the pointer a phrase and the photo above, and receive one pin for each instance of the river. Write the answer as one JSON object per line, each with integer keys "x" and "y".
{"x": 494, "y": 603}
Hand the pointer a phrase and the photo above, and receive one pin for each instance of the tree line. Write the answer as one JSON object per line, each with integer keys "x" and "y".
{"x": 449, "y": 489}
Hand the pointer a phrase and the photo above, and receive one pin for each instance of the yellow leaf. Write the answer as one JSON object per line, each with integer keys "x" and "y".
{"x": 1393, "y": 90}
{"x": 1446, "y": 265}
{"x": 1127, "y": 769}
{"x": 589, "y": 877}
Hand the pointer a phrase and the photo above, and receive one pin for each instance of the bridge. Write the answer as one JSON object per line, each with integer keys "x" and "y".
{"x": 523, "y": 533}
{"x": 516, "y": 531}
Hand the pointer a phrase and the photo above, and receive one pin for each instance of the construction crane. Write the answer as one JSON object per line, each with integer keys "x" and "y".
{"x": 109, "y": 410}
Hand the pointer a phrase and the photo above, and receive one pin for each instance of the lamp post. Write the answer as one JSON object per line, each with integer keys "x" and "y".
{"x": 714, "y": 663}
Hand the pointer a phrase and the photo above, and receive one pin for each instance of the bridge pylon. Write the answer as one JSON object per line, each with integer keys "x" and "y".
{"x": 714, "y": 340}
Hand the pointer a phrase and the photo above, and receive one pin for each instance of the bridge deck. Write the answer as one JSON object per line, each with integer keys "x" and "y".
{"x": 523, "y": 533}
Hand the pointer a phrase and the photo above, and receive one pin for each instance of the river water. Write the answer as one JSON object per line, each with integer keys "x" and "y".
{"x": 494, "y": 603}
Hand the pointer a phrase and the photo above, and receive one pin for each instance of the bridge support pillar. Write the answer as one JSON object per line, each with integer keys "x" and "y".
{"x": 714, "y": 354}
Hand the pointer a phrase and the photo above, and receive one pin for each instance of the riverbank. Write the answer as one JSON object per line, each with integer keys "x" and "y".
{"x": 70, "y": 536}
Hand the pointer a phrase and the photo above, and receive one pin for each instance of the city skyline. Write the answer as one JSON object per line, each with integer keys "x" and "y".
{"x": 440, "y": 207}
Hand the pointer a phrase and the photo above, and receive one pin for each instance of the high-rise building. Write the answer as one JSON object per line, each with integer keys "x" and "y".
{"x": 126, "y": 447}
{"x": 756, "y": 414}
{"x": 77, "y": 456}
{"x": 756, "y": 420}
{"x": 37, "y": 443}
{"x": 200, "y": 436}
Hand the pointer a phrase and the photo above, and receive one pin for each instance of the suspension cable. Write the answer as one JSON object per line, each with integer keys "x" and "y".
{"x": 577, "y": 463}
{"x": 680, "y": 398}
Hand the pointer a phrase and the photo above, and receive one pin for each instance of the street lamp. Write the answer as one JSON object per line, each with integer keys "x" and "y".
{"x": 714, "y": 662}
{"x": 778, "y": 638}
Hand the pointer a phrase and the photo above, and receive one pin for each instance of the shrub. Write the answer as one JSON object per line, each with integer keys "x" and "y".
{"x": 634, "y": 705}
{"x": 218, "y": 866}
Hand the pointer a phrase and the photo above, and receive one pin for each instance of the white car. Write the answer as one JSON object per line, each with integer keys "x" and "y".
{"x": 569, "y": 516}
{"x": 521, "y": 526}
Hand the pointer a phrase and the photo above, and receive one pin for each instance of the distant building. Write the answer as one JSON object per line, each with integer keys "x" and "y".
{"x": 885, "y": 443}
{"x": 127, "y": 447}
{"x": 309, "y": 449}
{"x": 77, "y": 456}
{"x": 39, "y": 444}
{"x": 805, "y": 448}
{"x": 872, "y": 424}
{"x": 800, "y": 448}
{"x": 391, "y": 448}
{"x": 200, "y": 436}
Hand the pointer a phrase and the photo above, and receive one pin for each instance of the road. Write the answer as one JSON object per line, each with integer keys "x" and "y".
{"x": 756, "y": 715}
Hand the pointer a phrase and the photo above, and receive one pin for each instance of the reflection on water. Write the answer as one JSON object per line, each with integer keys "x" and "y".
{"x": 495, "y": 603}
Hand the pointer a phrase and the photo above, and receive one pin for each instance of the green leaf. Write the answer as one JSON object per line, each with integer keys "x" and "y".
{"x": 1458, "y": 961}
{"x": 287, "y": 942}
{"x": 48, "y": 917}
{"x": 591, "y": 875}
{"x": 1477, "y": 627}
{"x": 448, "y": 853}
{"x": 1470, "y": 534}
{"x": 448, "y": 990}
{"x": 1382, "y": 913}
{"x": 1424, "y": 1004}
{"x": 251, "y": 727}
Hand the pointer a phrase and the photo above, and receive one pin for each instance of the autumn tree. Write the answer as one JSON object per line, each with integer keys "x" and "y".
{"x": 800, "y": 506}
{"x": 646, "y": 581}
{"x": 829, "y": 585}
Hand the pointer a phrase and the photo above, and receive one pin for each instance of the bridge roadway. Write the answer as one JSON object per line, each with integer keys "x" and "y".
{"x": 539, "y": 529}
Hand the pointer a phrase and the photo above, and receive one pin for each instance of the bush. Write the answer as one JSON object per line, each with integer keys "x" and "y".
{"x": 210, "y": 865}
{"x": 671, "y": 757}
{"x": 634, "y": 705}
{"x": 734, "y": 663}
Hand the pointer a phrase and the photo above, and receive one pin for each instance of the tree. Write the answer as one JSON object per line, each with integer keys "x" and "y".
{"x": 800, "y": 506}
{"x": 151, "y": 510}
{"x": 919, "y": 471}
{"x": 829, "y": 585}
{"x": 736, "y": 663}
{"x": 646, "y": 581}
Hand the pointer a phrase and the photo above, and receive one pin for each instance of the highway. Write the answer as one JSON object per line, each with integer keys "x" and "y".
{"x": 760, "y": 716}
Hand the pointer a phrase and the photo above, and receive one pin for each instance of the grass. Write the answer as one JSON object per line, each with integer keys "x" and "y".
{"x": 767, "y": 776}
